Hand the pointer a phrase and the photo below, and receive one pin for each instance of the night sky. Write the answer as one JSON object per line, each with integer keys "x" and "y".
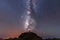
{"x": 47, "y": 13}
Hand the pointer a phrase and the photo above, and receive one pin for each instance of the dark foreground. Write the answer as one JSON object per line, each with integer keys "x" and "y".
{"x": 30, "y": 36}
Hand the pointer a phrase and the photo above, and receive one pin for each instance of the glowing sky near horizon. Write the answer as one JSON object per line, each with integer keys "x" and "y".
{"x": 47, "y": 12}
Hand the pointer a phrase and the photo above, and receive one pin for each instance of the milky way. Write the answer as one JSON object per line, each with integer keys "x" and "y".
{"x": 29, "y": 22}
{"x": 13, "y": 12}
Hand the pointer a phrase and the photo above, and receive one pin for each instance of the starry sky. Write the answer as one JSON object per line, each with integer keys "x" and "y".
{"x": 47, "y": 13}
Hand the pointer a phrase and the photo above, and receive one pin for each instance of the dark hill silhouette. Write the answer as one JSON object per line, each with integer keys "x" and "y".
{"x": 29, "y": 36}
